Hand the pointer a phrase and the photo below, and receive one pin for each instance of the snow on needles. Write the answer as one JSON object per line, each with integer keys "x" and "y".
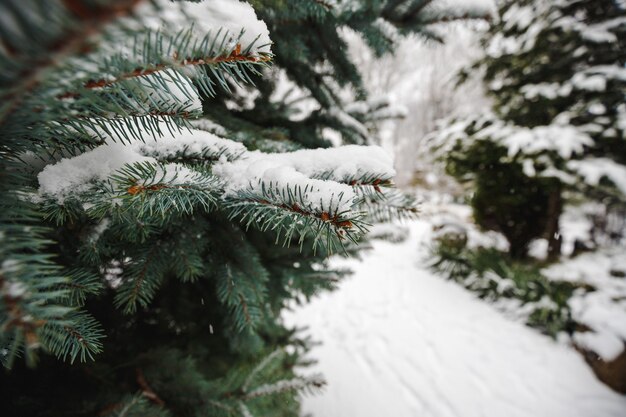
{"x": 565, "y": 140}
{"x": 73, "y": 176}
{"x": 321, "y": 172}
{"x": 592, "y": 170}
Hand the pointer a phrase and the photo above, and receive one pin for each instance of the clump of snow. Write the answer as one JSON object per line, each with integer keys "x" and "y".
{"x": 336, "y": 164}
{"x": 575, "y": 226}
{"x": 320, "y": 171}
{"x": 451, "y": 9}
{"x": 112, "y": 273}
{"x": 13, "y": 289}
{"x": 97, "y": 231}
{"x": 602, "y": 308}
{"x": 605, "y": 345}
{"x": 518, "y": 17}
{"x": 592, "y": 170}
{"x": 195, "y": 142}
{"x": 538, "y": 249}
{"x": 587, "y": 82}
{"x": 234, "y": 16}
{"x": 390, "y": 31}
{"x": 547, "y": 90}
{"x": 10, "y": 266}
{"x": 601, "y": 32}
{"x": 316, "y": 195}
{"x": 565, "y": 140}
{"x": 209, "y": 126}
{"x": 72, "y": 176}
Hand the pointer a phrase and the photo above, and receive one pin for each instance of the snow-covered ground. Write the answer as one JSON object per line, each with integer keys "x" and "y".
{"x": 401, "y": 342}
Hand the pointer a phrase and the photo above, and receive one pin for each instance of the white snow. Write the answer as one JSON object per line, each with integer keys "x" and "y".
{"x": 341, "y": 163}
{"x": 565, "y": 140}
{"x": 609, "y": 71}
{"x": 601, "y": 32}
{"x": 459, "y": 8}
{"x": 547, "y": 90}
{"x": 587, "y": 82}
{"x": 606, "y": 345}
{"x": 97, "y": 231}
{"x": 233, "y": 16}
{"x": 518, "y": 17}
{"x": 196, "y": 142}
{"x": 74, "y": 175}
{"x": 13, "y": 289}
{"x": 318, "y": 170}
{"x": 399, "y": 341}
{"x": 576, "y": 225}
{"x": 602, "y": 310}
{"x": 592, "y": 170}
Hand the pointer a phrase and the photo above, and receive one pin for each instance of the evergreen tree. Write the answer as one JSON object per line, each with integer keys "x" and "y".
{"x": 148, "y": 251}
{"x": 555, "y": 71}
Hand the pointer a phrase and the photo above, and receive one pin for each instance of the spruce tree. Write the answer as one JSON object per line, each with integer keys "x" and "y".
{"x": 159, "y": 207}
{"x": 555, "y": 71}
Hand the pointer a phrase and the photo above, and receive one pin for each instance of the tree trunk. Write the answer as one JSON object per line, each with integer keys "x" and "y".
{"x": 555, "y": 207}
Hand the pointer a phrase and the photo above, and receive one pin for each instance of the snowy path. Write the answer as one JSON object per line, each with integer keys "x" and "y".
{"x": 400, "y": 342}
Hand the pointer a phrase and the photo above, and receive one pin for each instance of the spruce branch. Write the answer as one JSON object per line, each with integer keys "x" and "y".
{"x": 82, "y": 283}
{"x": 286, "y": 212}
{"x": 141, "y": 278}
{"x": 373, "y": 180}
{"x": 178, "y": 62}
{"x": 387, "y": 205}
{"x": 77, "y": 336}
{"x": 311, "y": 383}
{"x": 31, "y": 293}
{"x": 241, "y": 291}
{"x": 147, "y": 189}
{"x": 278, "y": 353}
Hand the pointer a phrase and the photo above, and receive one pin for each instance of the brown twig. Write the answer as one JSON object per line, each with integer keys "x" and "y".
{"x": 234, "y": 56}
{"x": 146, "y": 390}
{"x": 323, "y": 216}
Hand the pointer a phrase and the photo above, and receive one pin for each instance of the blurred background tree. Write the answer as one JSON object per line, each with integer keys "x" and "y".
{"x": 555, "y": 72}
